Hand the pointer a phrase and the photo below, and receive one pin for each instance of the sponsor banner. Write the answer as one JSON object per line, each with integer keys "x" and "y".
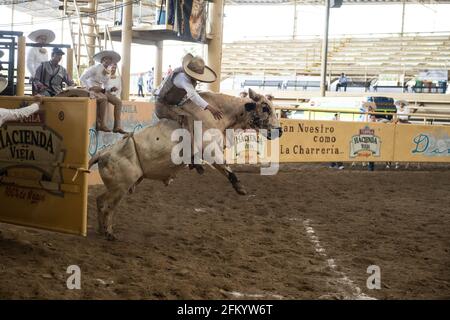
{"x": 42, "y": 160}
{"x": 433, "y": 75}
{"x": 422, "y": 143}
{"x": 330, "y": 141}
{"x": 248, "y": 147}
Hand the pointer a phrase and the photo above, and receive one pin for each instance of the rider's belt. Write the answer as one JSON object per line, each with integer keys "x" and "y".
{"x": 179, "y": 104}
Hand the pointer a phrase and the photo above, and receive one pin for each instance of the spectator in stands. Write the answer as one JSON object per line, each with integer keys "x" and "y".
{"x": 243, "y": 94}
{"x": 169, "y": 71}
{"x": 444, "y": 86}
{"x": 50, "y": 76}
{"x": 114, "y": 83}
{"x": 371, "y": 165}
{"x": 150, "y": 78}
{"x": 402, "y": 111}
{"x": 37, "y": 55}
{"x": 409, "y": 85}
{"x": 342, "y": 82}
{"x": 95, "y": 79}
{"x": 141, "y": 85}
{"x": 20, "y": 113}
{"x": 365, "y": 110}
{"x": 338, "y": 165}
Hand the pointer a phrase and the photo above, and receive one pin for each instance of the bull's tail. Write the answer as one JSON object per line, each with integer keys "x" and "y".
{"x": 94, "y": 159}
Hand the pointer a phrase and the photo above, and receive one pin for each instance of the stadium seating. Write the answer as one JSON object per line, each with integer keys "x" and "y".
{"x": 360, "y": 57}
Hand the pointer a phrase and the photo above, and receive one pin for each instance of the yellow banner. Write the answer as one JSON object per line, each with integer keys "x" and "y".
{"x": 304, "y": 140}
{"x": 329, "y": 141}
{"x": 422, "y": 143}
{"x": 42, "y": 159}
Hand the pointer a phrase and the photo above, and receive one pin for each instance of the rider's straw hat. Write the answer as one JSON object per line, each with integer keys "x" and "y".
{"x": 107, "y": 53}
{"x": 42, "y": 32}
{"x": 195, "y": 68}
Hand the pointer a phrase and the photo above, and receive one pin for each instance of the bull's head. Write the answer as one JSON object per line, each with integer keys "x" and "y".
{"x": 260, "y": 114}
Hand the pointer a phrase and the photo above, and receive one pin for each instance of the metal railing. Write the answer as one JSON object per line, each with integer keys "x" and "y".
{"x": 424, "y": 118}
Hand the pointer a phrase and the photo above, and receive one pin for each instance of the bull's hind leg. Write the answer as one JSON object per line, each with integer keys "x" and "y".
{"x": 106, "y": 204}
{"x": 101, "y": 213}
{"x": 231, "y": 176}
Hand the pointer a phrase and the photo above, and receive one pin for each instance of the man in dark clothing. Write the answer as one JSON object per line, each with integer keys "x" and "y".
{"x": 50, "y": 75}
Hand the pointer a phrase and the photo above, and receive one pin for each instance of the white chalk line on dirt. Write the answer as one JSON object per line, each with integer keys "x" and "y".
{"x": 237, "y": 294}
{"x": 342, "y": 278}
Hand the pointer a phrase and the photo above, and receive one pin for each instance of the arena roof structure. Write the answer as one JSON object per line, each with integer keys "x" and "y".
{"x": 51, "y": 8}
{"x": 144, "y": 30}
{"x": 321, "y": 2}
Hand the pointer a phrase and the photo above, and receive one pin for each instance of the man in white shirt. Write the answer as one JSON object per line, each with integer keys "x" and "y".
{"x": 95, "y": 79}
{"x": 114, "y": 84}
{"x": 37, "y": 55}
{"x": 3, "y": 81}
{"x": 50, "y": 75}
{"x": 402, "y": 111}
{"x": 21, "y": 113}
{"x": 342, "y": 82}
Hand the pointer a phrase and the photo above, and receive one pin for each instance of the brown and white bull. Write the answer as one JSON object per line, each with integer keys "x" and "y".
{"x": 147, "y": 154}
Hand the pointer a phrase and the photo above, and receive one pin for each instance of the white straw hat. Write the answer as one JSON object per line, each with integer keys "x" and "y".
{"x": 42, "y": 32}
{"x": 195, "y": 68}
{"x": 107, "y": 53}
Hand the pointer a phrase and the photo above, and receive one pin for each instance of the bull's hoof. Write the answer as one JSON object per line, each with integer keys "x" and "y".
{"x": 200, "y": 169}
{"x": 239, "y": 189}
{"x": 110, "y": 237}
{"x": 168, "y": 181}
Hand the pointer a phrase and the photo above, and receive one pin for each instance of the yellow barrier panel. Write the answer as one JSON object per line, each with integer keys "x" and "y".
{"x": 333, "y": 141}
{"x": 302, "y": 140}
{"x": 421, "y": 143}
{"x": 43, "y": 161}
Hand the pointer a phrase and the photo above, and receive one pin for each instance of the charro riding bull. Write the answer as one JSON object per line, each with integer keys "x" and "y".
{"x": 147, "y": 154}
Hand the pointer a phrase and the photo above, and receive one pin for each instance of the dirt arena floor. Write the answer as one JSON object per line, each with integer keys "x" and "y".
{"x": 309, "y": 232}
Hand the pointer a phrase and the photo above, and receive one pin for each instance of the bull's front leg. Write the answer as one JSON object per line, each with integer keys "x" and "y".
{"x": 231, "y": 176}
